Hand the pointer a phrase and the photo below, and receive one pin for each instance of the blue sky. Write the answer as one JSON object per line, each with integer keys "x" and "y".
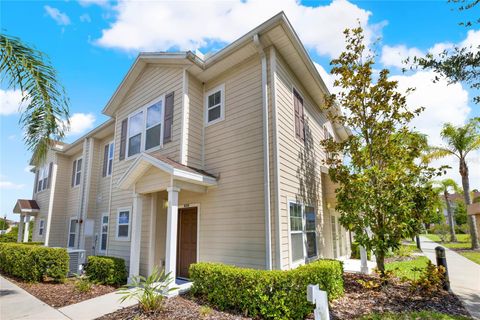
{"x": 92, "y": 43}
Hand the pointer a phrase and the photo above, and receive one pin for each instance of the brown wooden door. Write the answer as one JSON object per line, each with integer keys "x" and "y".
{"x": 187, "y": 240}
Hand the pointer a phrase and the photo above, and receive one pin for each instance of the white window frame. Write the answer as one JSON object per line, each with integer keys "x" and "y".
{"x": 143, "y": 133}
{"x": 117, "y": 224}
{"x": 41, "y": 227}
{"x": 220, "y": 88}
{"x": 110, "y": 158}
{"x": 69, "y": 232}
{"x": 102, "y": 224}
{"x": 42, "y": 177}
{"x": 305, "y": 259}
{"x": 75, "y": 182}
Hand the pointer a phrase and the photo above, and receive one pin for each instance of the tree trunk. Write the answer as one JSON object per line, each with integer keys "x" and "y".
{"x": 453, "y": 237}
{"x": 380, "y": 258}
{"x": 466, "y": 195}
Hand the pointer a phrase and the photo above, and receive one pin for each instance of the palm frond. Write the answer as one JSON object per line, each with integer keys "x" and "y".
{"x": 45, "y": 117}
{"x": 434, "y": 153}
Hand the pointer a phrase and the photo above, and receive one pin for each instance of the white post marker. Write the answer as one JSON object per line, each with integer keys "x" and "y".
{"x": 320, "y": 299}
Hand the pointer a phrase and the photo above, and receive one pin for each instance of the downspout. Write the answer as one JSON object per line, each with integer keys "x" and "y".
{"x": 266, "y": 155}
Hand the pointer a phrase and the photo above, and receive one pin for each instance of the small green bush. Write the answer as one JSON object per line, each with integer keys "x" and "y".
{"x": 356, "y": 251}
{"x": 106, "y": 270}
{"x": 33, "y": 263}
{"x": 266, "y": 294}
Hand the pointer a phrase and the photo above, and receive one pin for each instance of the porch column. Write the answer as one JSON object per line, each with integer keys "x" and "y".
{"x": 171, "y": 240}
{"x": 25, "y": 228}
{"x": 20, "y": 228}
{"x": 135, "y": 236}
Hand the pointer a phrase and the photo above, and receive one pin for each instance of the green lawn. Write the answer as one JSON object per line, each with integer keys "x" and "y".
{"x": 421, "y": 315}
{"x": 403, "y": 269}
{"x": 462, "y": 244}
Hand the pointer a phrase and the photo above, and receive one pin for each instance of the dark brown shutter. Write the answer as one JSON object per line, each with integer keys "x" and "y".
{"x": 299, "y": 116}
{"x": 105, "y": 161}
{"x": 50, "y": 168}
{"x": 35, "y": 187}
{"x": 73, "y": 171}
{"x": 123, "y": 139}
{"x": 168, "y": 118}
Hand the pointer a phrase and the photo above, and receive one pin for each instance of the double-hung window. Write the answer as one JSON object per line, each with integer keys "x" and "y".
{"x": 41, "y": 227}
{"x": 72, "y": 232}
{"x": 42, "y": 182}
{"x": 123, "y": 224}
{"x": 76, "y": 172}
{"x": 104, "y": 233}
{"x": 302, "y": 232}
{"x": 145, "y": 128}
{"x": 215, "y": 105}
{"x": 108, "y": 160}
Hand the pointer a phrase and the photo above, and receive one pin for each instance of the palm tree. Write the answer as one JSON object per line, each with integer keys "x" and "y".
{"x": 460, "y": 141}
{"x": 46, "y": 116}
{"x": 443, "y": 187}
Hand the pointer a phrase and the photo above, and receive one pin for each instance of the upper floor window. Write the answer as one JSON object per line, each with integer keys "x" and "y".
{"x": 76, "y": 172}
{"x": 108, "y": 160}
{"x": 299, "y": 116}
{"x": 42, "y": 181}
{"x": 145, "y": 128}
{"x": 215, "y": 105}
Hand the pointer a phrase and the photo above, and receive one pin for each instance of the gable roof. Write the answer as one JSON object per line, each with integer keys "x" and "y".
{"x": 24, "y": 206}
{"x": 276, "y": 31}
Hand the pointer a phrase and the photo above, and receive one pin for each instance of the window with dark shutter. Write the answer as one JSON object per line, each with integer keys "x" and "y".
{"x": 74, "y": 168}
{"x": 168, "y": 118}
{"x": 49, "y": 181}
{"x": 35, "y": 186}
{"x": 105, "y": 161}
{"x": 299, "y": 116}
{"x": 123, "y": 139}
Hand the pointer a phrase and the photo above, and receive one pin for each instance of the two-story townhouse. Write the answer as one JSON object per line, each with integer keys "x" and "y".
{"x": 203, "y": 159}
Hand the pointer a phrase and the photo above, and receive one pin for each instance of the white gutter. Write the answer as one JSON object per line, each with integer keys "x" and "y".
{"x": 266, "y": 156}
{"x": 273, "y": 92}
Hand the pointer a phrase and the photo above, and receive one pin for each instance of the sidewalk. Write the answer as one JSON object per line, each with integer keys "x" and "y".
{"x": 16, "y": 303}
{"x": 464, "y": 276}
{"x": 96, "y": 307}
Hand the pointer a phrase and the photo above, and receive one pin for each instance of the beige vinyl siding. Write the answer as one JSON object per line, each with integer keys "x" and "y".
{"x": 232, "y": 218}
{"x": 153, "y": 82}
{"x": 290, "y": 151}
{"x": 195, "y": 123}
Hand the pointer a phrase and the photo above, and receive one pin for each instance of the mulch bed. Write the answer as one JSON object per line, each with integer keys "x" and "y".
{"x": 357, "y": 301}
{"x": 183, "y": 307}
{"x": 394, "y": 297}
{"x": 60, "y": 295}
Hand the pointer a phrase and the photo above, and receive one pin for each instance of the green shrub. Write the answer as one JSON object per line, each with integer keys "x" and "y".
{"x": 83, "y": 283}
{"x": 106, "y": 270}
{"x": 442, "y": 230}
{"x": 462, "y": 229}
{"x": 356, "y": 252}
{"x": 266, "y": 294}
{"x": 33, "y": 263}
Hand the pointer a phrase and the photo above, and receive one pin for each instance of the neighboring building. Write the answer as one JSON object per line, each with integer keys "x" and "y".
{"x": 454, "y": 199}
{"x": 214, "y": 159}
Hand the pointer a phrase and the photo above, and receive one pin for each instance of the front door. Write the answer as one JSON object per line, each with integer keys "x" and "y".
{"x": 187, "y": 240}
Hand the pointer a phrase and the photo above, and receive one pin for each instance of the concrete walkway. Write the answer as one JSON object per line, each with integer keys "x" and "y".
{"x": 96, "y": 307}
{"x": 464, "y": 276}
{"x": 16, "y": 303}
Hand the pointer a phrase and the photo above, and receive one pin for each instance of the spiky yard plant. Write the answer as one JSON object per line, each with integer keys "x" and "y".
{"x": 150, "y": 292}
{"x": 46, "y": 115}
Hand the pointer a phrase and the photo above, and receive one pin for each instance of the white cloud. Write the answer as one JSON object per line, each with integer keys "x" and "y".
{"x": 28, "y": 169}
{"x": 165, "y": 25}
{"x": 394, "y": 56}
{"x": 81, "y": 123}
{"x": 443, "y": 103}
{"x": 472, "y": 40}
{"x": 60, "y": 18}
{"x": 8, "y": 185}
{"x": 85, "y": 18}
{"x": 10, "y": 102}
{"x": 86, "y": 3}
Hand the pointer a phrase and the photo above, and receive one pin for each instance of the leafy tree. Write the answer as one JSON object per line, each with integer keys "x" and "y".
{"x": 384, "y": 194}
{"x": 460, "y": 213}
{"x": 460, "y": 64}
{"x": 3, "y": 224}
{"x": 46, "y": 112}
{"x": 460, "y": 141}
{"x": 444, "y": 188}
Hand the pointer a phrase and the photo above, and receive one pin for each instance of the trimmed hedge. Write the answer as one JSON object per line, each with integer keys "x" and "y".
{"x": 106, "y": 270}
{"x": 266, "y": 294}
{"x": 33, "y": 262}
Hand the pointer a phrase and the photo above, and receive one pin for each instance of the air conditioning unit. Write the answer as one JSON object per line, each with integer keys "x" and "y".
{"x": 77, "y": 260}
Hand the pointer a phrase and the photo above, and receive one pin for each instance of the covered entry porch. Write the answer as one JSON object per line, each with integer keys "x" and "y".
{"x": 26, "y": 209}
{"x": 171, "y": 242}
